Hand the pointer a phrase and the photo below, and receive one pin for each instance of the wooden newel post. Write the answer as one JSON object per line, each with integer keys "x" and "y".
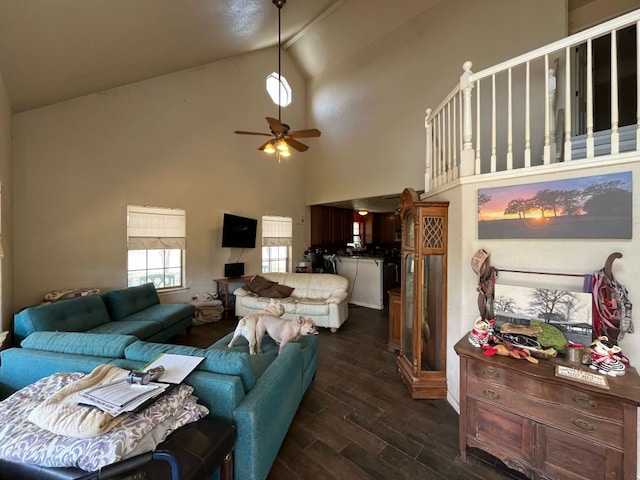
{"x": 467, "y": 157}
{"x": 428, "y": 150}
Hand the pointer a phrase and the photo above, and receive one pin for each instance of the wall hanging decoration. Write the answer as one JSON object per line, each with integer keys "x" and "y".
{"x": 570, "y": 312}
{"x": 598, "y": 206}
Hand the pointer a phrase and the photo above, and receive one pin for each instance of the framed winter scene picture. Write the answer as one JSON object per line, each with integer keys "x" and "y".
{"x": 570, "y": 312}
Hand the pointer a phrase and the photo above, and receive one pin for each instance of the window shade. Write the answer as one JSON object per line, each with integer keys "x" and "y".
{"x": 155, "y": 228}
{"x": 276, "y": 231}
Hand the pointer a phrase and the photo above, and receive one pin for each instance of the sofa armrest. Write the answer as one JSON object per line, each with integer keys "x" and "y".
{"x": 240, "y": 292}
{"x": 264, "y": 415}
{"x": 337, "y": 297}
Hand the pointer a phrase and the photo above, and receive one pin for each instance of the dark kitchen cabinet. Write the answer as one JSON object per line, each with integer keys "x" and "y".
{"x": 331, "y": 227}
{"x": 386, "y": 228}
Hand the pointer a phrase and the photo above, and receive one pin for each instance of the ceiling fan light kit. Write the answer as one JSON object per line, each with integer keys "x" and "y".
{"x": 283, "y": 138}
{"x": 282, "y": 145}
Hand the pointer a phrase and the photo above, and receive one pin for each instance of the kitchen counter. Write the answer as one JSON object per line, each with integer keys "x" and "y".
{"x": 366, "y": 279}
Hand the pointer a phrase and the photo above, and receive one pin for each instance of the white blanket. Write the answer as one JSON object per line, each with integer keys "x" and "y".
{"x": 61, "y": 414}
{"x": 23, "y": 441}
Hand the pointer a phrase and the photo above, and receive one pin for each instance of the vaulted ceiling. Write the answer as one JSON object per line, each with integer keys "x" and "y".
{"x": 55, "y": 50}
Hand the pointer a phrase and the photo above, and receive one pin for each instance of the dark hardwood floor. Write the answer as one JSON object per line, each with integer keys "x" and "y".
{"x": 357, "y": 421}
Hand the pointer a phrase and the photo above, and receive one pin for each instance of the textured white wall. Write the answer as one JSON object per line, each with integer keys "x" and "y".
{"x": 552, "y": 255}
{"x": 166, "y": 142}
{"x": 6, "y": 263}
{"x": 371, "y": 106}
{"x": 584, "y": 14}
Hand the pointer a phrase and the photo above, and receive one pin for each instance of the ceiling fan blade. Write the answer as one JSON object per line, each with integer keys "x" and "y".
{"x": 275, "y": 125}
{"x": 312, "y": 132}
{"x": 243, "y": 132}
{"x": 301, "y": 147}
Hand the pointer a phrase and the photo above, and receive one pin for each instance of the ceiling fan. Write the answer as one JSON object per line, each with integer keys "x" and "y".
{"x": 282, "y": 136}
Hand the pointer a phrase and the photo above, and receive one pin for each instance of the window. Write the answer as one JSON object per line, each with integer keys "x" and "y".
{"x": 279, "y": 89}
{"x": 156, "y": 245}
{"x": 276, "y": 244}
{"x": 358, "y": 234}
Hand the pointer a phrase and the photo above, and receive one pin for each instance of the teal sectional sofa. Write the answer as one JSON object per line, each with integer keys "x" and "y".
{"x": 132, "y": 311}
{"x": 259, "y": 394}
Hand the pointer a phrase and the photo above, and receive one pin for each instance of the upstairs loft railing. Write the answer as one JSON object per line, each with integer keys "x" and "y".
{"x": 576, "y": 98}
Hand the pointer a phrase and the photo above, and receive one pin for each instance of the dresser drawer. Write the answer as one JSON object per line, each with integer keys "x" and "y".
{"x": 579, "y": 421}
{"x": 507, "y": 435}
{"x": 582, "y": 401}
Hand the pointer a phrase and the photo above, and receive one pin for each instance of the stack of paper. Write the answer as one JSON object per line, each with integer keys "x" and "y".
{"x": 121, "y": 396}
{"x": 176, "y": 367}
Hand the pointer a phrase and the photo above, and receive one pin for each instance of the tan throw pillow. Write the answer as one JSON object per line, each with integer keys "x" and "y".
{"x": 276, "y": 291}
{"x": 285, "y": 290}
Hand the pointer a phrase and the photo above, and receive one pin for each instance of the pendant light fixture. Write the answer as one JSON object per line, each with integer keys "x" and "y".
{"x": 281, "y": 146}
{"x": 283, "y": 137}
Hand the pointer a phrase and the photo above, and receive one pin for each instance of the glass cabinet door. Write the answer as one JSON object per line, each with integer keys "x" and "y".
{"x": 432, "y": 323}
{"x": 409, "y": 232}
{"x": 407, "y": 328}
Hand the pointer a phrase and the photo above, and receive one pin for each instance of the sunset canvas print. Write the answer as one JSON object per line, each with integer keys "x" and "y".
{"x": 599, "y": 206}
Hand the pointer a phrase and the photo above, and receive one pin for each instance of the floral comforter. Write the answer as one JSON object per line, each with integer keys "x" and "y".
{"x": 23, "y": 441}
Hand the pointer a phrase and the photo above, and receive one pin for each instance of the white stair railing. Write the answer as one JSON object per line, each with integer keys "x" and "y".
{"x": 525, "y": 112}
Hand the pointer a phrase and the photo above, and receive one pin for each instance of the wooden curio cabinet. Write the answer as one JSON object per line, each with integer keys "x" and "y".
{"x": 422, "y": 360}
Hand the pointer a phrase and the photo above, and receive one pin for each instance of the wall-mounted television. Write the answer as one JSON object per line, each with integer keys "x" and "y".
{"x": 239, "y": 232}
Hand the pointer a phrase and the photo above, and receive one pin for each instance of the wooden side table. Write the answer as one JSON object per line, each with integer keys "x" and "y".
{"x": 222, "y": 288}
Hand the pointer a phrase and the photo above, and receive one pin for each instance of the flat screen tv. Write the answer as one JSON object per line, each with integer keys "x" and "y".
{"x": 238, "y": 232}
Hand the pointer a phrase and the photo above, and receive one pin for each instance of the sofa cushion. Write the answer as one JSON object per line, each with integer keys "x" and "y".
{"x": 306, "y": 309}
{"x": 109, "y": 346}
{"x": 314, "y": 307}
{"x": 167, "y": 314}
{"x": 122, "y": 303}
{"x": 226, "y": 362}
{"x": 311, "y": 285}
{"x": 141, "y": 351}
{"x": 138, "y": 328}
{"x": 72, "y": 315}
{"x": 259, "y": 363}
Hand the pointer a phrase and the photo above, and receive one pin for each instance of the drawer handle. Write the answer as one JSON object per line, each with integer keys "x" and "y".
{"x": 492, "y": 394}
{"x": 583, "y": 424}
{"x": 585, "y": 402}
{"x": 490, "y": 373}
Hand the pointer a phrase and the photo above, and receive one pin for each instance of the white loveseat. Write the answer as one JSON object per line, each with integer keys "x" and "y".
{"x": 321, "y": 296}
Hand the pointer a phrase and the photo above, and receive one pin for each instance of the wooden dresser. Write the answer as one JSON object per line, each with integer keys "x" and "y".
{"x": 544, "y": 426}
